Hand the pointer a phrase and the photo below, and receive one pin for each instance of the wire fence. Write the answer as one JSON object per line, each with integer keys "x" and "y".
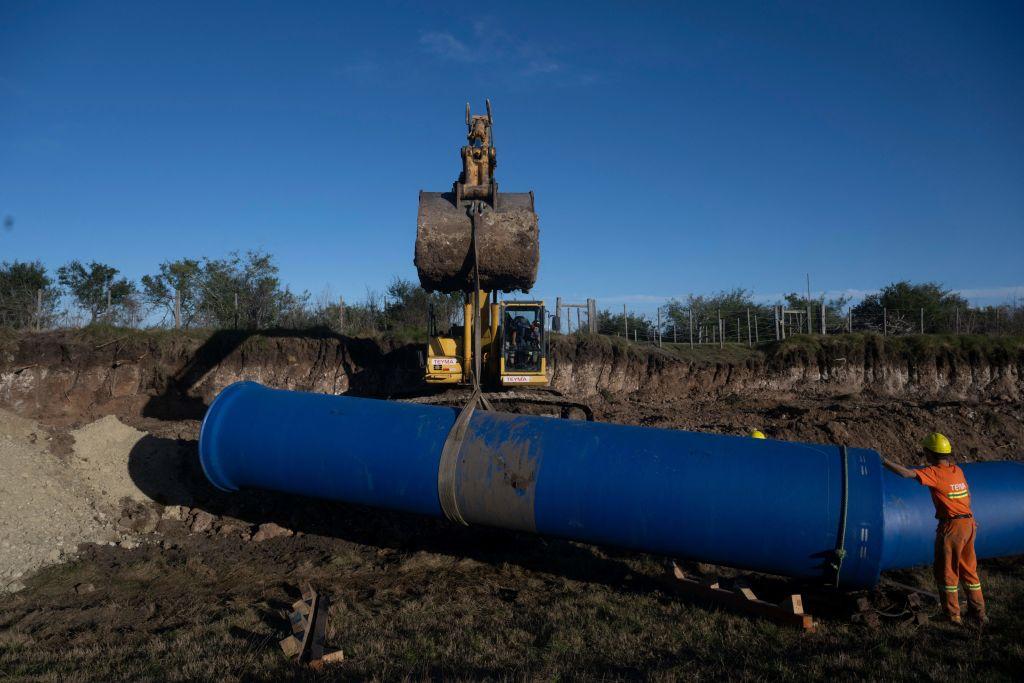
{"x": 752, "y": 326}
{"x": 671, "y": 322}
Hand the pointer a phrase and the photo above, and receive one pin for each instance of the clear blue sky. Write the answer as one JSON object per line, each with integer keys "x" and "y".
{"x": 673, "y": 147}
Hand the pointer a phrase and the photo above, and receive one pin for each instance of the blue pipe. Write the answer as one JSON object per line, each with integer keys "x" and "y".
{"x": 770, "y": 506}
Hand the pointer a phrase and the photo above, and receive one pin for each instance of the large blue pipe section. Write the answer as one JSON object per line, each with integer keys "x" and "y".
{"x": 770, "y": 506}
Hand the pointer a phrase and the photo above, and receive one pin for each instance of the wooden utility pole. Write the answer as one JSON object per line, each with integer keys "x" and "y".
{"x": 177, "y": 309}
{"x": 737, "y": 330}
{"x": 625, "y": 320}
{"x": 341, "y": 315}
{"x": 810, "y": 330}
{"x": 885, "y": 322}
{"x": 824, "y": 330}
{"x": 922, "y": 321}
{"x": 236, "y": 310}
{"x": 721, "y": 330}
{"x": 592, "y": 315}
{"x": 756, "y": 339}
{"x": 39, "y": 309}
{"x": 559, "y": 322}
{"x": 659, "y": 326}
{"x": 748, "y": 328}
{"x": 690, "y": 316}
{"x": 958, "y": 320}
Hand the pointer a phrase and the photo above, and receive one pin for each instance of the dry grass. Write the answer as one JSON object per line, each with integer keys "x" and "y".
{"x": 432, "y": 601}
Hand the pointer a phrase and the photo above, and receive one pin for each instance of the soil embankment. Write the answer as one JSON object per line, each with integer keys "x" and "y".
{"x": 861, "y": 390}
{"x": 164, "y": 375}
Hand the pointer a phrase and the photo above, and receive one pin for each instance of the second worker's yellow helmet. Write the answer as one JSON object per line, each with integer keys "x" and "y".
{"x": 937, "y": 443}
{"x": 757, "y": 434}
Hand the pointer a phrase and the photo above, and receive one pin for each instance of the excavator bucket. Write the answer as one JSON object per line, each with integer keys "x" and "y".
{"x": 508, "y": 244}
{"x": 507, "y": 236}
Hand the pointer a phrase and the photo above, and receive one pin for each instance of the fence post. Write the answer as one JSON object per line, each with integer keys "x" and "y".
{"x": 958, "y": 320}
{"x": 341, "y": 315}
{"x": 885, "y": 321}
{"x": 675, "y": 338}
{"x": 775, "y": 312}
{"x": 737, "y": 330}
{"x": 849, "y": 321}
{"x": 922, "y": 321}
{"x": 634, "y": 334}
{"x": 690, "y": 316}
{"x": 39, "y": 309}
{"x": 824, "y": 329}
{"x": 658, "y": 333}
{"x": 177, "y": 309}
{"x": 592, "y": 315}
{"x": 236, "y": 310}
{"x": 757, "y": 340}
{"x": 721, "y": 331}
{"x": 625, "y": 320}
{"x": 748, "y": 327}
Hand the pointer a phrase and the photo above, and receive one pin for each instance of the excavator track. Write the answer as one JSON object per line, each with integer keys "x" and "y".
{"x": 457, "y": 398}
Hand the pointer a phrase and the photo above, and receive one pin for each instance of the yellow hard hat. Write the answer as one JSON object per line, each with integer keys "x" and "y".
{"x": 937, "y": 443}
{"x": 757, "y": 434}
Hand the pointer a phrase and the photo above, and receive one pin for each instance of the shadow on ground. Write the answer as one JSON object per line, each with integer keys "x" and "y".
{"x": 408, "y": 533}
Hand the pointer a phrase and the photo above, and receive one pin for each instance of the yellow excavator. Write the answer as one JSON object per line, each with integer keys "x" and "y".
{"x": 479, "y": 241}
{"x": 513, "y": 343}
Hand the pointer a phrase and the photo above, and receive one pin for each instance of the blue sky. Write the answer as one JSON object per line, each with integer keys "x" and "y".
{"x": 672, "y": 147}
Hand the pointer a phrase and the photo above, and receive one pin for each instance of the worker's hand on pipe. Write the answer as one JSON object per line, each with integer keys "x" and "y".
{"x": 904, "y": 472}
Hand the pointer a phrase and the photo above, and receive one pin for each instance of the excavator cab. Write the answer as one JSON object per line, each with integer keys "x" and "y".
{"x": 514, "y": 345}
{"x": 523, "y": 342}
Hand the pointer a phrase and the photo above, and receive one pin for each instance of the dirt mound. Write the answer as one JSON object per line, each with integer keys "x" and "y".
{"x": 45, "y": 511}
{"x": 119, "y": 462}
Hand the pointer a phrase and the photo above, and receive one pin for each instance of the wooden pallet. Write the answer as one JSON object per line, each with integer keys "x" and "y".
{"x": 789, "y": 612}
{"x": 309, "y": 625}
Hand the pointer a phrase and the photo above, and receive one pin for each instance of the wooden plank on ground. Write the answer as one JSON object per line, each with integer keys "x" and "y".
{"x": 742, "y": 600}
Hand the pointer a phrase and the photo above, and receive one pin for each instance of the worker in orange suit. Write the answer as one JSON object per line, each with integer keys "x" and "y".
{"x": 955, "y": 561}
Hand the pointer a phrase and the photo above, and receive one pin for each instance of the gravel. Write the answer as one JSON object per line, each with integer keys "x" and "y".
{"x": 45, "y": 510}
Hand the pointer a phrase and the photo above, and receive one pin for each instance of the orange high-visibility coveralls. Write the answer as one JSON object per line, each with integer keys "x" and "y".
{"x": 955, "y": 560}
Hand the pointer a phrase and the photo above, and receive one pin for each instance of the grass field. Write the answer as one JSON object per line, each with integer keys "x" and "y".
{"x": 416, "y": 598}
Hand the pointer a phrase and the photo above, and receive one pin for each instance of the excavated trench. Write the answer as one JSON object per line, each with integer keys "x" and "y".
{"x": 98, "y": 455}
{"x": 861, "y": 390}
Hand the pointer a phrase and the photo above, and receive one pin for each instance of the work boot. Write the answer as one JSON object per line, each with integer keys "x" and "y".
{"x": 955, "y": 619}
{"x": 979, "y": 619}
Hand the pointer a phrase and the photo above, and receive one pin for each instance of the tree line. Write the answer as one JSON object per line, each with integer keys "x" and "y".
{"x": 898, "y": 308}
{"x": 242, "y": 290}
